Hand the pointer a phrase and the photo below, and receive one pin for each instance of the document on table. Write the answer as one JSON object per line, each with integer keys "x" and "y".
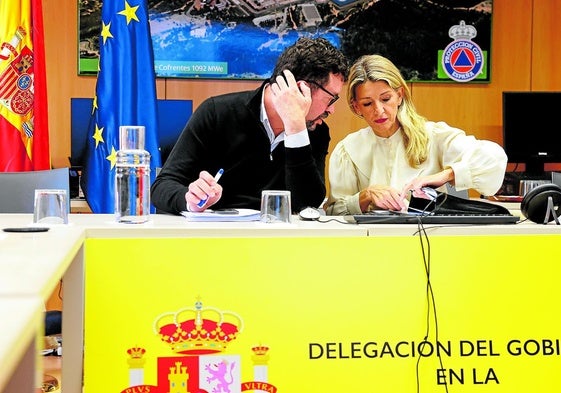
{"x": 223, "y": 215}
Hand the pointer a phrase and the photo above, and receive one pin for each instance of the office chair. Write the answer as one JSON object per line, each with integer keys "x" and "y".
{"x": 17, "y": 193}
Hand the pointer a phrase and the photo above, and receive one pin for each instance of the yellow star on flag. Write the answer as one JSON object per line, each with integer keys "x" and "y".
{"x": 112, "y": 158}
{"x": 98, "y": 135}
{"x": 94, "y": 106}
{"x": 129, "y": 12}
{"x": 105, "y": 33}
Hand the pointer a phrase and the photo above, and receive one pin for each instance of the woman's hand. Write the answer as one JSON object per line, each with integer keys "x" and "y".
{"x": 381, "y": 197}
{"x": 434, "y": 181}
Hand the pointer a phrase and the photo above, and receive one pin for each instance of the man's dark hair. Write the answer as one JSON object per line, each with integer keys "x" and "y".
{"x": 312, "y": 59}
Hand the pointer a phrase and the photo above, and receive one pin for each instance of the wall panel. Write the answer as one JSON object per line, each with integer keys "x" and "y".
{"x": 546, "y": 53}
{"x": 475, "y": 108}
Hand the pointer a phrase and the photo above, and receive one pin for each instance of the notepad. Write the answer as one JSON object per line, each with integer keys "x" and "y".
{"x": 217, "y": 215}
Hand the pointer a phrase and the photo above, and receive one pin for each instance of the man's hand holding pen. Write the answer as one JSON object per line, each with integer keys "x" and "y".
{"x": 204, "y": 192}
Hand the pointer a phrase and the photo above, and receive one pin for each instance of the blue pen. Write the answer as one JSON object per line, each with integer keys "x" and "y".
{"x": 216, "y": 178}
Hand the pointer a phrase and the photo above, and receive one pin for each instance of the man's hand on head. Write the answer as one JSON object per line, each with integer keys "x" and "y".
{"x": 292, "y": 101}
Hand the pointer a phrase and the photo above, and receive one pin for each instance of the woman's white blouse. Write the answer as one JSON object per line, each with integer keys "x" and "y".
{"x": 362, "y": 159}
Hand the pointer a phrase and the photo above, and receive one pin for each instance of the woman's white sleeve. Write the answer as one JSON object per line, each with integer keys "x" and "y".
{"x": 478, "y": 164}
{"x": 343, "y": 184}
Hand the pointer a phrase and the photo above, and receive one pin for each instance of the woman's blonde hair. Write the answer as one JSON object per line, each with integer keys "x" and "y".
{"x": 375, "y": 68}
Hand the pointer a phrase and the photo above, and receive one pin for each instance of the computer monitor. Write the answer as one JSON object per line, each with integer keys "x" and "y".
{"x": 172, "y": 117}
{"x": 531, "y": 131}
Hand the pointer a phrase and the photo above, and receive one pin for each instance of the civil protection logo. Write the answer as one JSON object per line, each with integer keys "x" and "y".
{"x": 462, "y": 59}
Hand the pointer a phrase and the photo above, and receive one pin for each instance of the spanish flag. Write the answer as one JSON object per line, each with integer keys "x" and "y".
{"x": 125, "y": 95}
{"x": 24, "y": 131}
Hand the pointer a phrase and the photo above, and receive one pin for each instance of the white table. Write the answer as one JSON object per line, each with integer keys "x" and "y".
{"x": 20, "y": 336}
{"x": 31, "y": 264}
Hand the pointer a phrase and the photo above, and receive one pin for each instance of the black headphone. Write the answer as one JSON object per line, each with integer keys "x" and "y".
{"x": 534, "y": 205}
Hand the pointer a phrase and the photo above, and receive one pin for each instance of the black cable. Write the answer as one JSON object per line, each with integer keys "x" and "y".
{"x": 336, "y": 220}
{"x": 431, "y": 301}
{"x": 439, "y": 205}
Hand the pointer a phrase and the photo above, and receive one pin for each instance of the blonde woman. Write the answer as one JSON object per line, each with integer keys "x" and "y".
{"x": 400, "y": 150}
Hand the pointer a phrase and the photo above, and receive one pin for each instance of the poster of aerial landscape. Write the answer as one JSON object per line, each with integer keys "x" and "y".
{"x": 429, "y": 40}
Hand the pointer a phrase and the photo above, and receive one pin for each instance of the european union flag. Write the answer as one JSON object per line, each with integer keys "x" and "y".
{"x": 125, "y": 95}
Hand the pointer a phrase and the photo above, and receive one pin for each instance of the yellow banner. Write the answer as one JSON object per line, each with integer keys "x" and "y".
{"x": 321, "y": 315}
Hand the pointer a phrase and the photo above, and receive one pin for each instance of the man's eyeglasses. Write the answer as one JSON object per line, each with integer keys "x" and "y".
{"x": 334, "y": 97}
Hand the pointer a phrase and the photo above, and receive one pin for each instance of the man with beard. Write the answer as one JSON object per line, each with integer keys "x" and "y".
{"x": 272, "y": 138}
